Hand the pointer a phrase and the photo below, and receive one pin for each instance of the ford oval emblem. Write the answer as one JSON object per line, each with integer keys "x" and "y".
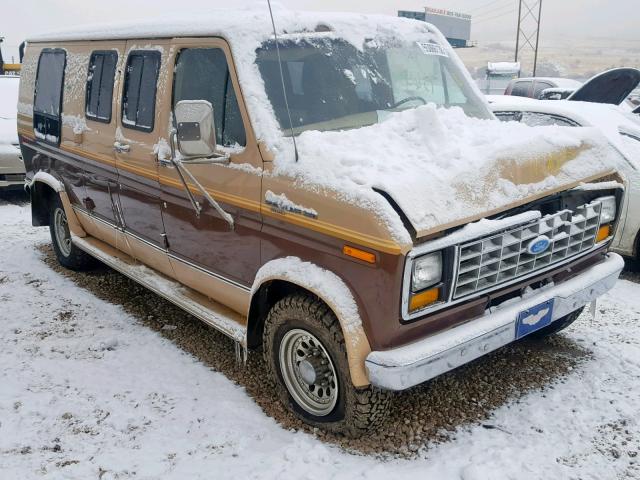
{"x": 539, "y": 245}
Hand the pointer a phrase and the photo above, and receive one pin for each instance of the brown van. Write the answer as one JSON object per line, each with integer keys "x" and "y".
{"x": 341, "y": 196}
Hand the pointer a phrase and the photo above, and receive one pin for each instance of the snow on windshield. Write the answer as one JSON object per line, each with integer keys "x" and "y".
{"x": 332, "y": 85}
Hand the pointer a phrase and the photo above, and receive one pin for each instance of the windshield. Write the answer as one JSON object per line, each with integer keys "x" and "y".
{"x": 331, "y": 85}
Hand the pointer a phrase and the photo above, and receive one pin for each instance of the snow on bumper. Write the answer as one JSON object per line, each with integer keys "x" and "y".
{"x": 412, "y": 364}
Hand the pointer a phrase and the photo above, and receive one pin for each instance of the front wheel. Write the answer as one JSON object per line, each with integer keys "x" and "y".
{"x": 67, "y": 253}
{"x": 305, "y": 353}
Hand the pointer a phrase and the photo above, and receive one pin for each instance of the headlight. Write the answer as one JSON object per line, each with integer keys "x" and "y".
{"x": 609, "y": 209}
{"x": 427, "y": 271}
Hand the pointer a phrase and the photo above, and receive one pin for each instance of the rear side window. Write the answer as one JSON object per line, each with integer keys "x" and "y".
{"x": 47, "y": 103}
{"x": 203, "y": 74}
{"x": 521, "y": 89}
{"x": 139, "y": 99}
{"x": 539, "y": 88}
{"x": 102, "y": 71}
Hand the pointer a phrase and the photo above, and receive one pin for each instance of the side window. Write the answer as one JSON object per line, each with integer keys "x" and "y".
{"x": 47, "y": 102}
{"x": 521, "y": 89}
{"x": 102, "y": 71}
{"x": 539, "y": 87}
{"x": 508, "y": 116}
{"x": 534, "y": 119}
{"x": 203, "y": 74}
{"x": 140, "y": 83}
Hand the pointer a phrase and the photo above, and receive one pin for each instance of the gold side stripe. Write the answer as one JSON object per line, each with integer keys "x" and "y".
{"x": 25, "y": 132}
{"x": 93, "y": 156}
{"x": 169, "y": 181}
{"x": 358, "y": 238}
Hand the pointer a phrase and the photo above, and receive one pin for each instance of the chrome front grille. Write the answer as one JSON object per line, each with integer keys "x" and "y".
{"x": 489, "y": 262}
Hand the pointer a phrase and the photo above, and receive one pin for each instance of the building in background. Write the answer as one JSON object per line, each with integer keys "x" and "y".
{"x": 455, "y": 26}
{"x": 8, "y": 68}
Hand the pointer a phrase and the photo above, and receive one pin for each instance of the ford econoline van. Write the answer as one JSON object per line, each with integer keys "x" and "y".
{"x": 341, "y": 197}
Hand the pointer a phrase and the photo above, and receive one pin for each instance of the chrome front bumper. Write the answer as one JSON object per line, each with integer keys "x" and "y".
{"x": 412, "y": 364}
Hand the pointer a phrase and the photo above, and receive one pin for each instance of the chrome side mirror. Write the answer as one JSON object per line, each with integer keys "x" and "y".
{"x": 195, "y": 128}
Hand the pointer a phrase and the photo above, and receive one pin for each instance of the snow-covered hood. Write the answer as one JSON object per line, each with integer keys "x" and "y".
{"x": 443, "y": 168}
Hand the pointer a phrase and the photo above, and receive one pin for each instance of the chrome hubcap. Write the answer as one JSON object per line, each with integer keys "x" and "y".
{"x": 308, "y": 372}
{"x": 61, "y": 230}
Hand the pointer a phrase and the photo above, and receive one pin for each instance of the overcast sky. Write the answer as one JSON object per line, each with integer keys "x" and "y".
{"x": 493, "y": 20}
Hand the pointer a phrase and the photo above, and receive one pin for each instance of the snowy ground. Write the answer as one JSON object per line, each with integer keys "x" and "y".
{"x": 88, "y": 391}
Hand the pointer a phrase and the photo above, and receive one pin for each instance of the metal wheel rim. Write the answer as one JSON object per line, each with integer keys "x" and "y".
{"x": 61, "y": 229}
{"x": 318, "y": 398}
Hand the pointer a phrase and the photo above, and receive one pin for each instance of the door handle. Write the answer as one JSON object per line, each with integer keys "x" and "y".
{"x": 121, "y": 147}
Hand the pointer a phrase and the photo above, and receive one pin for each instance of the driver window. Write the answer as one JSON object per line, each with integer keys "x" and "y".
{"x": 203, "y": 74}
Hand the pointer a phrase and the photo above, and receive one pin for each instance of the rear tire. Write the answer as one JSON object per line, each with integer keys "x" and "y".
{"x": 305, "y": 353}
{"x": 558, "y": 325}
{"x": 68, "y": 255}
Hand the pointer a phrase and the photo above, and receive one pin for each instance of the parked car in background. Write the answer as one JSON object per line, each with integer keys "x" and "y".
{"x": 534, "y": 87}
{"x": 621, "y": 127}
{"x": 12, "y": 171}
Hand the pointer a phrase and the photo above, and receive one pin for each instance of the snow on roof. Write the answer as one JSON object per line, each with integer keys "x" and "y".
{"x": 250, "y": 24}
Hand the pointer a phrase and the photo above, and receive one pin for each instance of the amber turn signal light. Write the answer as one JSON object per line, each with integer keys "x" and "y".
{"x": 359, "y": 254}
{"x": 603, "y": 233}
{"x": 421, "y": 300}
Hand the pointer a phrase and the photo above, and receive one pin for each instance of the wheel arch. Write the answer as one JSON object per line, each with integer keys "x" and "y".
{"x": 41, "y": 190}
{"x": 284, "y": 276}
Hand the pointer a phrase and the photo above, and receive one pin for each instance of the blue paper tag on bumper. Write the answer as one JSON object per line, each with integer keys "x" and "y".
{"x": 534, "y": 318}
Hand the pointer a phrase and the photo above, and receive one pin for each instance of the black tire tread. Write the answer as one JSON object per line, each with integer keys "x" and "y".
{"x": 368, "y": 406}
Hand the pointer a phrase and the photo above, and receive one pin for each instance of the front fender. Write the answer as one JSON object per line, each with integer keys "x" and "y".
{"x": 334, "y": 292}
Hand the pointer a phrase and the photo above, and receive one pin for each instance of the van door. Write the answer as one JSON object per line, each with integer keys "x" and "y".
{"x": 96, "y": 140}
{"x": 203, "y": 70}
{"x": 142, "y": 116}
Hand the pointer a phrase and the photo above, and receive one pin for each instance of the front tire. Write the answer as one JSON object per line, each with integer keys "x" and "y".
{"x": 68, "y": 255}
{"x": 305, "y": 354}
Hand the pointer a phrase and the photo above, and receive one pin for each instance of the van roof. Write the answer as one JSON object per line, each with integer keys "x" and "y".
{"x": 233, "y": 23}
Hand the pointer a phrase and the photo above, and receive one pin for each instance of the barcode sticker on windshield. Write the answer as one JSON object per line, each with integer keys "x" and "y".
{"x": 432, "y": 49}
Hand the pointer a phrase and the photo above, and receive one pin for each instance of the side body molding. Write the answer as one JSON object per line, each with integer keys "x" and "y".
{"x": 334, "y": 292}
